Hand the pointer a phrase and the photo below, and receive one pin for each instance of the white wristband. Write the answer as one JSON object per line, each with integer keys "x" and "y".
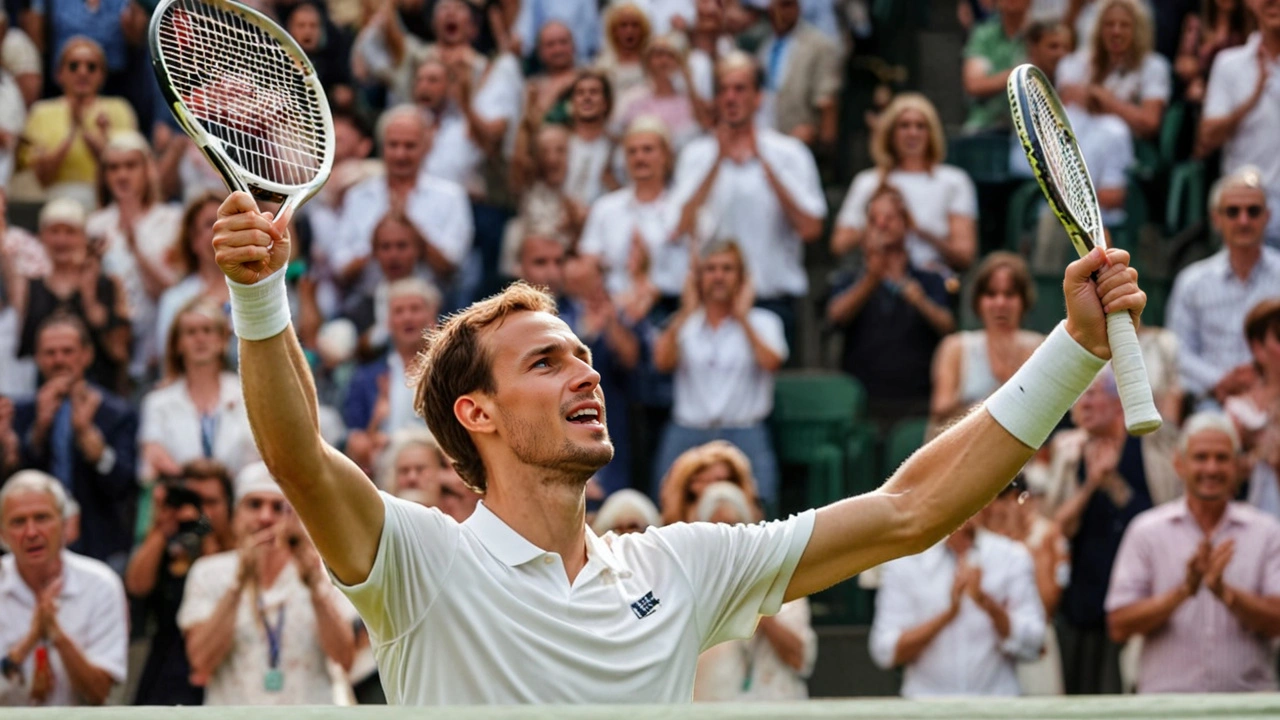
{"x": 261, "y": 310}
{"x": 1032, "y": 402}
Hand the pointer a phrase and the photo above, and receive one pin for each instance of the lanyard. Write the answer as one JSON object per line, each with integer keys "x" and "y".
{"x": 274, "y": 635}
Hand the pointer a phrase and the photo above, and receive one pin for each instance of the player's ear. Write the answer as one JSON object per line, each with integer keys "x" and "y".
{"x": 475, "y": 413}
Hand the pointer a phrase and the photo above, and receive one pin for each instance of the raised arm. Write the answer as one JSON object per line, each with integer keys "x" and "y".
{"x": 958, "y": 473}
{"x": 337, "y": 503}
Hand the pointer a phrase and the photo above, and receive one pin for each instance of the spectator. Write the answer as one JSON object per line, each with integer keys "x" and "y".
{"x": 994, "y": 48}
{"x": 397, "y": 255}
{"x": 661, "y": 96}
{"x": 85, "y": 436}
{"x": 20, "y": 58}
{"x": 1118, "y": 72}
{"x": 959, "y": 616}
{"x": 65, "y": 634}
{"x": 697, "y": 469}
{"x": 190, "y": 518}
{"x": 1223, "y": 24}
{"x": 590, "y": 148}
{"x": 1099, "y": 479}
{"x": 457, "y": 499}
{"x": 908, "y": 146}
{"x": 115, "y": 26}
{"x": 1201, "y": 567}
{"x": 802, "y": 77}
{"x": 234, "y": 611}
{"x": 199, "y": 271}
{"x": 545, "y": 90}
{"x": 1210, "y": 298}
{"x": 626, "y": 511}
{"x": 772, "y": 665}
{"x": 754, "y": 186}
{"x": 13, "y": 112}
{"x": 892, "y": 316}
{"x": 1048, "y": 42}
{"x": 325, "y": 49}
{"x": 580, "y": 17}
{"x": 136, "y": 230}
{"x": 1235, "y": 117}
{"x": 627, "y": 33}
{"x": 412, "y": 461}
{"x": 454, "y": 28}
{"x": 970, "y": 365}
{"x": 1256, "y": 412}
{"x": 199, "y": 412}
{"x": 444, "y": 96}
{"x": 382, "y": 56}
{"x": 68, "y": 133}
{"x": 545, "y": 208}
{"x": 709, "y": 40}
{"x": 22, "y": 259}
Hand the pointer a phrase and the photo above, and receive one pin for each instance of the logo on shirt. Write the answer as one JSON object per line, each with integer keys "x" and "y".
{"x": 645, "y": 606}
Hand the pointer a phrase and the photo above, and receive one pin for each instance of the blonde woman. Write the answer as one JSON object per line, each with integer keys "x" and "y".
{"x": 908, "y": 147}
{"x": 1118, "y": 71}
{"x": 626, "y": 34}
{"x": 718, "y": 461}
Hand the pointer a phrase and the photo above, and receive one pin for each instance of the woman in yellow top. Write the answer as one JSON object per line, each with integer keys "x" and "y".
{"x": 67, "y": 134}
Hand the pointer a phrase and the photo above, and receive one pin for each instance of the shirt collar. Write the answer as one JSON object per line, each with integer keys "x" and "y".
{"x": 499, "y": 539}
{"x": 1181, "y": 512}
{"x": 11, "y": 583}
{"x": 602, "y": 549}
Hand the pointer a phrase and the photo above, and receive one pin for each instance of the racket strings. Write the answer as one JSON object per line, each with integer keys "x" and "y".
{"x": 245, "y": 89}
{"x": 1064, "y": 162}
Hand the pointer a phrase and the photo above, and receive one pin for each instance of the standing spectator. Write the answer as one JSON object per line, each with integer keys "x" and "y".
{"x": 908, "y": 147}
{"x": 580, "y": 17}
{"x": 1210, "y": 298}
{"x": 626, "y": 511}
{"x": 698, "y": 469}
{"x": 724, "y": 353}
{"x": 444, "y": 96}
{"x": 1199, "y": 578}
{"x": 680, "y": 109}
{"x": 994, "y": 48}
{"x": 959, "y": 616}
{"x": 627, "y": 33}
{"x": 802, "y": 77}
{"x": 590, "y": 147}
{"x": 1256, "y": 412}
{"x": 200, "y": 275}
{"x": 892, "y": 315}
{"x": 199, "y": 412}
{"x": 190, "y": 518}
{"x": 85, "y": 436}
{"x": 1237, "y": 119}
{"x": 1223, "y": 24}
{"x": 65, "y": 630}
{"x": 545, "y": 89}
{"x": 261, "y": 622}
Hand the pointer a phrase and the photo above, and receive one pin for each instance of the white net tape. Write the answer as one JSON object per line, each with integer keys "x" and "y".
{"x": 245, "y": 89}
{"x": 1063, "y": 160}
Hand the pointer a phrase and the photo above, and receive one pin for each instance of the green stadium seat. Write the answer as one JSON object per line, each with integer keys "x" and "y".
{"x": 815, "y": 420}
{"x": 1050, "y": 307}
{"x": 1023, "y": 213}
{"x": 905, "y": 438}
{"x": 1187, "y": 197}
{"x": 1175, "y": 117}
{"x": 985, "y": 156}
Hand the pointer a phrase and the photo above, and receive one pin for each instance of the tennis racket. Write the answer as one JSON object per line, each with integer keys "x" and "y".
{"x": 246, "y": 93}
{"x": 1059, "y": 167}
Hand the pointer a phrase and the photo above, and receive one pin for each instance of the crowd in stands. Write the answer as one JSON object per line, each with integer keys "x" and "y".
{"x": 670, "y": 171}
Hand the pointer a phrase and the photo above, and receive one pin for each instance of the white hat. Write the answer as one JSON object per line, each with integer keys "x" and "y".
{"x": 64, "y": 211}
{"x": 256, "y": 478}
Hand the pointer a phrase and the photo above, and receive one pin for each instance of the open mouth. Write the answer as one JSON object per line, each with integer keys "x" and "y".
{"x": 584, "y": 416}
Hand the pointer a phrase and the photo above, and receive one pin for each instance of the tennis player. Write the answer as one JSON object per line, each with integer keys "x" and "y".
{"x": 523, "y": 603}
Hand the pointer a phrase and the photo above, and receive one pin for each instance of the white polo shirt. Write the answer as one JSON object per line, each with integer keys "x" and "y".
{"x": 473, "y": 613}
{"x": 615, "y": 217}
{"x": 742, "y": 206}
{"x": 718, "y": 382}
{"x": 92, "y": 612}
{"x": 454, "y": 155}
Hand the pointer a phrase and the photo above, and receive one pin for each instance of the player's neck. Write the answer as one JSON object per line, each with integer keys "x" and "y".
{"x": 549, "y": 514}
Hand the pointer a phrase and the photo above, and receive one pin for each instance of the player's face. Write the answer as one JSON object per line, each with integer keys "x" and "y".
{"x": 407, "y": 317}
{"x": 1000, "y": 307}
{"x": 1242, "y": 216}
{"x": 555, "y": 48}
{"x": 548, "y": 405}
{"x": 646, "y": 156}
{"x": 1117, "y": 30}
{"x": 126, "y": 173}
{"x": 737, "y": 97}
{"x": 200, "y": 340}
{"x": 32, "y": 528}
{"x": 911, "y": 134}
{"x": 1208, "y": 466}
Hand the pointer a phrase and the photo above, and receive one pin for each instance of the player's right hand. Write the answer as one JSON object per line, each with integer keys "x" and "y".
{"x": 1089, "y": 300}
{"x": 249, "y": 245}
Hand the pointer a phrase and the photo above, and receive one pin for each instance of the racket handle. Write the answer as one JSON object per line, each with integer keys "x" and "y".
{"x": 1140, "y": 414}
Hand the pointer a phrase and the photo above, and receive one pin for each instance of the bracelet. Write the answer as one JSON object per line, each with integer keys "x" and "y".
{"x": 1032, "y": 402}
{"x": 261, "y": 310}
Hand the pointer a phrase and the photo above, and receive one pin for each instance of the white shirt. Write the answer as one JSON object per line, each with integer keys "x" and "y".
{"x": 932, "y": 197}
{"x": 967, "y": 657}
{"x": 474, "y": 613}
{"x": 439, "y": 209}
{"x": 454, "y": 156}
{"x": 751, "y": 671}
{"x": 170, "y": 419}
{"x": 501, "y": 97}
{"x": 92, "y": 613}
{"x": 240, "y": 679}
{"x": 399, "y": 397}
{"x": 1231, "y": 83}
{"x": 610, "y": 226}
{"x": 588, "y": 160}
{"x": 13, "y": 118}
{"x": 718, "y": 382}
{"x": 1150, "y": 81}
{"x": 743, "y": 206}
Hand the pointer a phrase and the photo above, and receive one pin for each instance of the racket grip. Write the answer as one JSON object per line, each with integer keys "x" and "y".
{"x": 1140, "y": 414}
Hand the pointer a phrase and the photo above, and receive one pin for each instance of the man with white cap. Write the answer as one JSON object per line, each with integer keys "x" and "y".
{"x": 262, "y": 621}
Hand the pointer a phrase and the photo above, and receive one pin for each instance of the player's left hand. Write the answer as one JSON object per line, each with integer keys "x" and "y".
{"x": 1089, "y": 300}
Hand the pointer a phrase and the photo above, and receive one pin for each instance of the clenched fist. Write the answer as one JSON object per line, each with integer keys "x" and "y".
{"x": 249, "y": 245}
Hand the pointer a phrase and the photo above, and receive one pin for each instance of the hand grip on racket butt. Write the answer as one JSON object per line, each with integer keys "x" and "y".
{"x": 1140, "y": 414}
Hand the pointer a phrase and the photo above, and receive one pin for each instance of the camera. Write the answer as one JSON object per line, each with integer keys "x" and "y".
{"x": 187, "y": 543}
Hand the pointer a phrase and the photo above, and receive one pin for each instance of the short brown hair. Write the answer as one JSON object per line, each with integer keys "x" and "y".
{"x": 1018, "y": 273}
{"x": 1263, "y": 319}
{"x": 455, "y": 362}
{"x": 675, "y": 486}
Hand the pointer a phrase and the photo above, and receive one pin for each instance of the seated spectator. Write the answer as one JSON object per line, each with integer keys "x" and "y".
{"x": 1118, "y": 72}
{"x": 1210, "y": 298}
{"x": 627, "y": 33}
{"x": 994, "y": 48}
{"x": 234, "y": 610}
{"x": 545, "y": 209}
{"x": 892, "y": 316}
{"x": 724, "y": 353}
{"x": 85, "y": 436}
{"x": 136, "y": 230}
{"x": 326, "y": 50}
{"x": 772, "y": 665}
{"x": 802, "y": 77}
{"x": 970, "y": 365}
{"x": 197, "y": 267}
{"x": 959, "y": 616}
{"x": 699, "y": 468}
{"x": 397, "y": 255}
{"x": 76, "y": 285}
{"x": 685, "y": 115}
{"x": 190, "y": 518}
{"x": 579, "y": 18}
{"x": 1223, "y": 24}
{"x": 1201, "y": 567}
{"x": 68, "y": 133}
{"x": 908, "y": 147}
{"x": 1239, "y": 112}
{"x": 1256, "y": 411}
{"x": 453, "y": 156}
{"x": 199, "y": 412}
{"x": 65, "y": 630}
{"x": 626, "y": 511}
{"x": 411, "y": 461}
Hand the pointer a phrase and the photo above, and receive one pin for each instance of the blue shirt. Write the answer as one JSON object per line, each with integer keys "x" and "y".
{"x": 69, "y": 19}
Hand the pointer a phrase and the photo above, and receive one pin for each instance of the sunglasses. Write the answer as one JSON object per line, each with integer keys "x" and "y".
{"x": 1233, "y": 211}
{"x": 88, "y": 65}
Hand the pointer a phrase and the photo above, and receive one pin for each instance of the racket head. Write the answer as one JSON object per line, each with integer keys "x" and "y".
{"x": 1059, "y": 167}
{"x": 243, "y": 89}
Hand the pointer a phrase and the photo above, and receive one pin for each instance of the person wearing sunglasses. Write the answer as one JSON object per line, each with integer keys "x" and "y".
{"x": 1211, "y": 297}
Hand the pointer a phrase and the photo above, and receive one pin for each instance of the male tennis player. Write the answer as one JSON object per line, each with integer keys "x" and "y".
{"x": 522, "y": 602}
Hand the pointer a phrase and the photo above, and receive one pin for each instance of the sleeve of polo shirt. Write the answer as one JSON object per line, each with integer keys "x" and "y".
{"x": 737, "y": 573}
{"x": 769, "y": 329}
{"x": 1026, "y": 611}
{"x": 416, "y": 550}
{"x": 894, "y": 613}
{"x": 1131, "y": 576}
{"x": 853, "y": 212}
{"x": 1219, "y": 99}
{"x": 107, "y": 645}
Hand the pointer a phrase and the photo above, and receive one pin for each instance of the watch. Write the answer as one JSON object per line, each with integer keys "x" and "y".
{"x": 11, "y": 670}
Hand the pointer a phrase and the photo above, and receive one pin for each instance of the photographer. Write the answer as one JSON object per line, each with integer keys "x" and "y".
{"x": 190, "y": 518}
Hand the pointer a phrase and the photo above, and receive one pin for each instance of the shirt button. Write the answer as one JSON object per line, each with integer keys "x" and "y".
{"x": 548, "y": 559}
